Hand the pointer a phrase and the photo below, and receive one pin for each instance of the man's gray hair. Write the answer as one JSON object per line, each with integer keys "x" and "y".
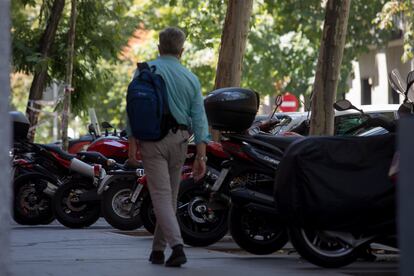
{"x": 171, "y": 41}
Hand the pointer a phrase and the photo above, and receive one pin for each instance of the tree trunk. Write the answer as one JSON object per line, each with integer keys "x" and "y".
{"x": 40, "y": 77}
{"x": 68, "y": 78}
{"x": 233, "y": 45}
{"x": 329, "y": 64}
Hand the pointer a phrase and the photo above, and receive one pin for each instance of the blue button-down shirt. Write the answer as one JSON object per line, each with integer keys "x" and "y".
{"x": 184, "y": 96}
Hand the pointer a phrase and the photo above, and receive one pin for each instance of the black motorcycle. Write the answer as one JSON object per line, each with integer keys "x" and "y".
{"x": 336, "y": 194}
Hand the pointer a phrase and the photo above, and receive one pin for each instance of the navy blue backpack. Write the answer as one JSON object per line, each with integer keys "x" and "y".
{"x": 147, "y": 105}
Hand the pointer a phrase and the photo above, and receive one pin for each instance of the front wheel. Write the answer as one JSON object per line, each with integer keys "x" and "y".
{"x": 70, "y": 210}
{"x": 117, "y": 208}
{"x": 257, "y": 233}
{"x": 322, "y": 249}
{"x": 200, "y": 225}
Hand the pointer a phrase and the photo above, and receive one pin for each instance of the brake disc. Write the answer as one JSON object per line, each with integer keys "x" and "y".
{"x": 197, "y": 209}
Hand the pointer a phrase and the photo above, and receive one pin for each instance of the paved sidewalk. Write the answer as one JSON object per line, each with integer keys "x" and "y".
{"x": 100, "y": 250}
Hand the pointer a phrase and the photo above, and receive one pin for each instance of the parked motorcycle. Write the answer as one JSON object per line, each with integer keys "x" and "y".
{"x": 78, "y": 202}
{"x": 203, "y": 206}
{"x": 114, "y": 146}
{"x": 336, "y": 194}
{"x": 39, "y": 170}
{"x": 254, "y": 223}
{"x": 254, "y": 157}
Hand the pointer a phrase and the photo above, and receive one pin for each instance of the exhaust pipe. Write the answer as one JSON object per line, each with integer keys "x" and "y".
{"x": 244, "y": 196}
{"x": 82, "y": 168}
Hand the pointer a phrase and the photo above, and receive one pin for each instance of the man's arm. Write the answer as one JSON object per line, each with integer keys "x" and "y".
{"x": 201, "y": 135}
{"x": 199, "y": 118}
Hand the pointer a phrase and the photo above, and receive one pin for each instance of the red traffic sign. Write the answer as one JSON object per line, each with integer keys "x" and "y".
{"x": 290, "y": 103}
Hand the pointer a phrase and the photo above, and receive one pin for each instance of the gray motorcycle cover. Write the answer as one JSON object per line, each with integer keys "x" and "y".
{"x": 338, "y": 183}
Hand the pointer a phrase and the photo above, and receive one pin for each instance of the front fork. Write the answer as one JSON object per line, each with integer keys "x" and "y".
{"x": 218, "y": 200}
{"x": 137, "y": 192}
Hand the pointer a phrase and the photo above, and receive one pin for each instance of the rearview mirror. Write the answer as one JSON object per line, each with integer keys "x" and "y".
{"x": 342, "y": 105}
{"x": 106, "y": 125}
{"x": 278, "y": 100}
{"x": 278, "y": 103}
{"x": 91, "y": 128}
{"x": 396, "y": 81}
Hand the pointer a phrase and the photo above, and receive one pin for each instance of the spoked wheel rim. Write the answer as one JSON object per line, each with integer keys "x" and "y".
{"x": 259, "y": 227}
{"x": 122, "y": 205}
{"x": 195, "y": 216}
{"x": 324, "y": 244}
{"x": 32, "y": 203}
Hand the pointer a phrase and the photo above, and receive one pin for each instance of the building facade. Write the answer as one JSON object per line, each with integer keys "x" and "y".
{"x": 369, "y": 82}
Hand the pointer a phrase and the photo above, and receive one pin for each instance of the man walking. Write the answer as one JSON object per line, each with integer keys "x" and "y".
{"x": 163, "y": 159}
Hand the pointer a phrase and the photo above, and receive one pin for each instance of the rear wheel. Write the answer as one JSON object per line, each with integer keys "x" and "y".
{"x": 70, "y": 210}
{"x": 31, "y": 206}
{"x": 257, "y": 233}
{"x": 117, "y": 208}
{"x": 321, "y": 249}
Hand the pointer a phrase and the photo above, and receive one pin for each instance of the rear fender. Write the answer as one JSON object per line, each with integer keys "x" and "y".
{"x": 110, "y": 180}
{"x": 53, "y": 183}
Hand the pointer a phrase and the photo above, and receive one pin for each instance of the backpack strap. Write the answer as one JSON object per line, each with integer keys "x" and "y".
{"x": 142, "y": 66}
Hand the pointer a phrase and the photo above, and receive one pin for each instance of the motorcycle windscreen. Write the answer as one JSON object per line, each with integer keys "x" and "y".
{"x": 338, "y": 183}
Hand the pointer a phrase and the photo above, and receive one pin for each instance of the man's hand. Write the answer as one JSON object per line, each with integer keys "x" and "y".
{"x": 199, "y": 166}
{"x": 199, "y": 169}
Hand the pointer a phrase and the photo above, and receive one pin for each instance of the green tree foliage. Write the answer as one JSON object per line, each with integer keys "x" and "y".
{"x": 103, "y": 28}
{"x": 282, "y": 45}
{"x": 281, "y": 53}
{"x": 286, "y": 38}
{"x": 399, "y": 15}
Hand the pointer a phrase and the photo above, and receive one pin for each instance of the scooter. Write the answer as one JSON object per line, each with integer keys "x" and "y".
{"x": 336, "y": 194}
{"x": 254, "y": 223}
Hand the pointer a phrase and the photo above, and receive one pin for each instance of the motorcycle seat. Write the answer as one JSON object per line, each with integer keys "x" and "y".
{"x": 278, "y": 141}
{"x": 92, "y": 157}
{"x": 56, "y": 149}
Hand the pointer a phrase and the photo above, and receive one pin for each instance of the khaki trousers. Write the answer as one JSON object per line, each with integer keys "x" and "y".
{"x": 163, "y": 161}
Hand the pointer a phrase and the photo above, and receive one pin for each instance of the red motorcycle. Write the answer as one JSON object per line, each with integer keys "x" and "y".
{"x": 125, "y": 199}
{"x": 126, "y": 203}
{"x": 38, "y": 171}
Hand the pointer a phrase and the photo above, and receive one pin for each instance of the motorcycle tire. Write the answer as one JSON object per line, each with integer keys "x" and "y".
{"x": 30, "y": 205}
{"x": 255, "y": 232}
{"x": 318, "y": 250}
{"x": 147, "y": 214}
{"x": 115, "y": 210}
{"x": 71, "y": 213}
{"x": 195, "y": 230}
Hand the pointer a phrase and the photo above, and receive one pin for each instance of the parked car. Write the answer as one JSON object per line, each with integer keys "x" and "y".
{"x": 344, "y": 120}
